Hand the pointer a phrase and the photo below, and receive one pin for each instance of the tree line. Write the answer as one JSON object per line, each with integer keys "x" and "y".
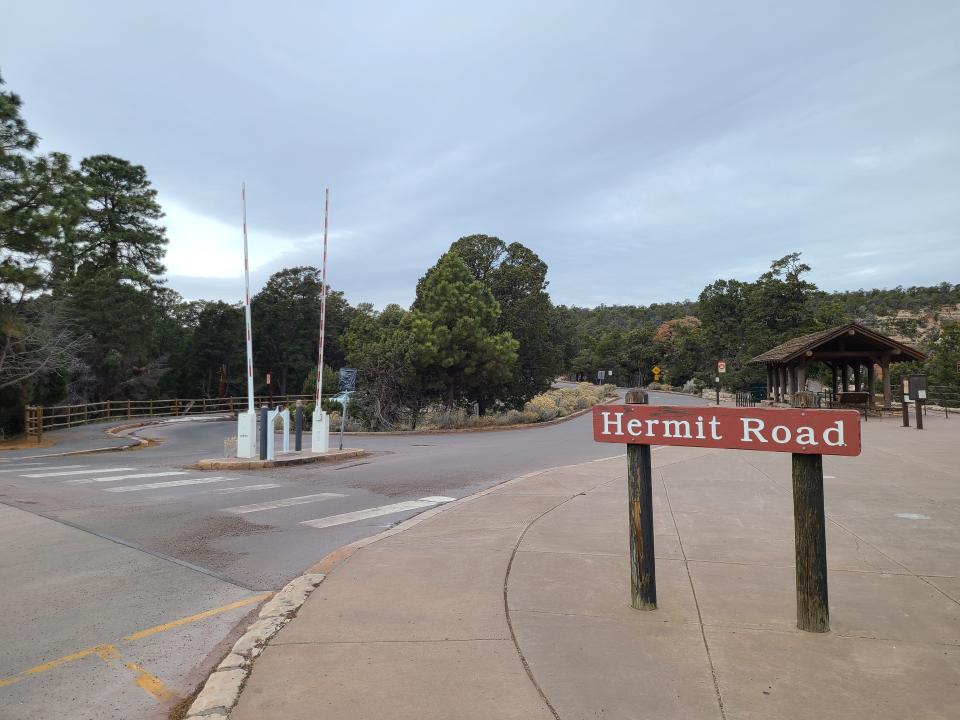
{"x": 85, "y": 314}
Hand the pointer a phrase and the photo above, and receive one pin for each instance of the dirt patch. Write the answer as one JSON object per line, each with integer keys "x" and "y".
{"x": 395, "y": 489}
{"x": 25, "y": 443}
{"x": 196, "y": 543}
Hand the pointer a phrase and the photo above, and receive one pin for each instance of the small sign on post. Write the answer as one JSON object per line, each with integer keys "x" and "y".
{"x": 807, "y": 434}
{"x": 722, "y": 366}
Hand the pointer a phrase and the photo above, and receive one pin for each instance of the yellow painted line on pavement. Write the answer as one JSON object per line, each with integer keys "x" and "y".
{"x": 108, "y": 652}
{"x": 147, "y": 681}
{"x": 104, "y": 651}
{"x": 193, "y": 618}
{"x": 150, "y": 683}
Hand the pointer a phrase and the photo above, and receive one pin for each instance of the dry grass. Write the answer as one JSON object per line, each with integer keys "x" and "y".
{"x": 550, "y": 405}
{"x": 25, "y": 443}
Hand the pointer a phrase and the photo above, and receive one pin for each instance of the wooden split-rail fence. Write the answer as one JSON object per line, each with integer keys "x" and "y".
{"x": 39, "y": 419}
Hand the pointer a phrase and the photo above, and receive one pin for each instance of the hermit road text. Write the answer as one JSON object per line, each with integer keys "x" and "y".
{"x": 819, "y": 432}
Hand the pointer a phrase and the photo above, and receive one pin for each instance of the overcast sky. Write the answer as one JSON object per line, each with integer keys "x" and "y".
{"x": 642, "y": 149}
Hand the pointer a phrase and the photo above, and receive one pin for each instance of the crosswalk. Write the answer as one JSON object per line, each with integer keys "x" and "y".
{"x": 163, "y": 485}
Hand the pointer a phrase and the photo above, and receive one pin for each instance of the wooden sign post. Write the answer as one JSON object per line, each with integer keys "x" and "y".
{"x": 807, "y": 434}
{"x": 643, "y": 571}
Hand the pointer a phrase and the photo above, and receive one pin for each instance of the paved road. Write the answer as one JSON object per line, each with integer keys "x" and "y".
{"x": 106, "y": 558}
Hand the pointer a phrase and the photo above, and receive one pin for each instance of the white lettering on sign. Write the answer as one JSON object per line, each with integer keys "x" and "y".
{"x": 837, "y": 432}
{"x": 752, "y": 425}
{"x": 818, "y": 431}
{"x": 618, "y": 420}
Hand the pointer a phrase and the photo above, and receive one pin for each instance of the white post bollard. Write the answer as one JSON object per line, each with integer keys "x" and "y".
{"x": 247, "y": 435}
{"x": 271, "y": 416}
{"x": 320, "y": 434}
{"x": 285, "y": 416}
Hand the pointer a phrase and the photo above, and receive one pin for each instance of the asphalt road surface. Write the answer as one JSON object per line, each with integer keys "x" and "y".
{"x": 125, "y": 574}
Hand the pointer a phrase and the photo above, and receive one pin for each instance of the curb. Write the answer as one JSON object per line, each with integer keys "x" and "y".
{"x": 222, "y": 689}
{"x": 329, "y": 457}
{"x": 117, "y": 432}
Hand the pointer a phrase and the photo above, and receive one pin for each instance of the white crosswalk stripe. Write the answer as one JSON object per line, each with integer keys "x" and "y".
{"x": 377, "y": 511}
{"x": 77, "y": 472}
{"x": 36, "y": 468}
{"x": 285, "y": 502}
{"x": 164, "y": 485}
{"x": 240, "y": 488}
{"x": 114, "y": 478}
{"x": 214, "y": 491}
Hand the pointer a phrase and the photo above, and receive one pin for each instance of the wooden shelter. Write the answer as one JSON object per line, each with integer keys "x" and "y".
{"x": 852, "y": 351}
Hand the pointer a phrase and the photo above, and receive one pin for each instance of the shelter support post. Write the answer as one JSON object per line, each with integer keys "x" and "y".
{"x": 856, "y": 376}
{"x": 887, "y": 391}
{"x": 871, "y": 378}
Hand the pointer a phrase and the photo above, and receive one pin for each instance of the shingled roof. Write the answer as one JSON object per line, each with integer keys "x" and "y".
{"x": 796, "y": 347}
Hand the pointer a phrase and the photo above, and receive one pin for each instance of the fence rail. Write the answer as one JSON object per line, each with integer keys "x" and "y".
{"x": 56, "y": 417}
{"x": 745, "y": 398}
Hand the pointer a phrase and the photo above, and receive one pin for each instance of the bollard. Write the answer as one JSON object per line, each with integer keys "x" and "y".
{"x": 298, "y": 427}
{"x": 263, "y": 432}
{"x": 643, "y": 571}
{"x": 919, "y": 414}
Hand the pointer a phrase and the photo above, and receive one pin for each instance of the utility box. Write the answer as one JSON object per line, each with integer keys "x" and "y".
{"x": 247, "y": 435}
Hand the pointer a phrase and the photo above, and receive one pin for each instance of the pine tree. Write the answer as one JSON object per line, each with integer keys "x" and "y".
{"x": 116, "y": 223}
{"x": 454, "y": 325}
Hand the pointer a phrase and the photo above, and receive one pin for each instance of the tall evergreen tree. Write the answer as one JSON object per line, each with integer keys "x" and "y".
{"x": 517, "y": 278}
{"x": 116, "y": 224}
{"x": 286, "y": 325}
{"x": 454, "y": 323}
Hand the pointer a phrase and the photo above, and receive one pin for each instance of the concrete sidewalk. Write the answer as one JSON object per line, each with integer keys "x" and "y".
{"x": 515, "y": 603}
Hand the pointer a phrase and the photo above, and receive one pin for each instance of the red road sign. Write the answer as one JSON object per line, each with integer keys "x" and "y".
{"x": 813, "y": 432}
{"x": 722, "y": 366}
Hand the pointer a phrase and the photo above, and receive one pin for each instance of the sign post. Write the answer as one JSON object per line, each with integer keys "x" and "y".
{"x": 807, "y": 434}
{"x": 905, "y": 400}
{"x": 810, "y": 540}
{"x": 721, "y": 368}
{"x": 643, "y": 571}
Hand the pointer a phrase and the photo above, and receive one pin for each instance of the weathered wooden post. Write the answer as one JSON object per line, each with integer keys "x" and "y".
{"x": 813, "y": 611}
{"x": 919, "y": 412}
{"x": 904, "y": 401}
{"x": 643, "y": 571}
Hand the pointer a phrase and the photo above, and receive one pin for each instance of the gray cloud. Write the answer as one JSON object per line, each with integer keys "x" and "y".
{"x": 642, "y": 149}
